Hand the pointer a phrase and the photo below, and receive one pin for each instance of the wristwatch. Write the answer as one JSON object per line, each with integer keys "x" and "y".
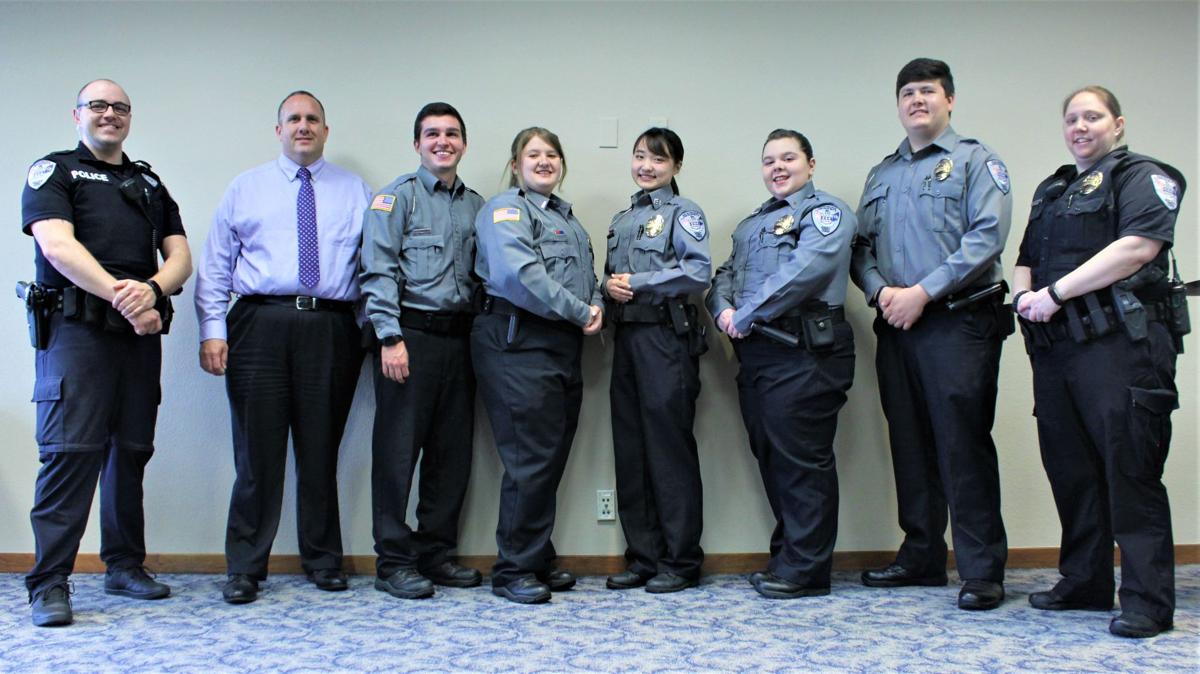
{"x": 391, "y": 340}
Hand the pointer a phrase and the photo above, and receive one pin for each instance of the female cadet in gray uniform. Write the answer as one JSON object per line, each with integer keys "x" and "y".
{"x": 535, "y": 261}
{"x": 1095, "y": 300}
{"x": 657, "y": 255}
{"x": 779, "y": 298}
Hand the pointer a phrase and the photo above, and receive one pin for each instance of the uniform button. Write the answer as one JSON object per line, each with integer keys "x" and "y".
{"x": 905, "y": 189}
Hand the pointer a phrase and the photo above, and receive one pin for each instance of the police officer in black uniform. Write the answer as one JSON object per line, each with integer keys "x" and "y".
{"x": 780, "y": 297}
{"x": 1103, "y": 326}
{"x": 535, "y": 261}
{"x": 99, "y": 221}
{"x": 657, "y": 256}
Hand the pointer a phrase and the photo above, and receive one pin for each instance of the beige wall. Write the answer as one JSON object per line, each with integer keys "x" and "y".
{"x": 205, "y": 80}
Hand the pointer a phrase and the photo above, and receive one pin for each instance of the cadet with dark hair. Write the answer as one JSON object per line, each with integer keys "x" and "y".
{"x": 418, "y": 283}
{"x": 657, "y": 256}
{"x": 285, "y": 240}
{"x": 780, "y": 298}
{"x": 933, "y": 219}
{"x": 1103, "y": 326}
{"x": 99, "y": 222}
{"x": 535, "y": 262}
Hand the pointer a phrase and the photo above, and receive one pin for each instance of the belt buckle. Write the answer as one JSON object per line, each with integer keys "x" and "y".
{"x": 304, "y": 303}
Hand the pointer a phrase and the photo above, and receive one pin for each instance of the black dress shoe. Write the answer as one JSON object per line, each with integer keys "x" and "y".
{"x": 50, "y": 605}
{"x": 452, "y": 574}
{"x": 524, "y": 590}
{"x": 626, "y": 580}
{"x": 669, "y": 582}
{"x": 1050, "y": 601}
{"x": 406, "y": 584}
{"x": 774, "y": 587}
{"x": 239, "y": 589}
{"x": 330, "y": 580}
{"x": 1137, "y": 626}
{"x": 980, "y": 595}
{"x": 757, "y": 577}
{"x": 895, "y": 575}
{"x": 135, "y": 582}
{"x": 557, "y": 579}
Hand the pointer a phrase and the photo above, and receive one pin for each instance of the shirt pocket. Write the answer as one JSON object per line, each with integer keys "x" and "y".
{"x": 771, "y": 249}
{"x": 874, "y": 206}
{"x": 422, "y": 255}
{"x": 560, "y": 258}
{"x": 648, "y": 253}
{"x": 942, "y": 204}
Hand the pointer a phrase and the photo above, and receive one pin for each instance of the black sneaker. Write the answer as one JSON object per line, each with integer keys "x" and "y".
{"x": 50, "y": 605}
{"x": 134, "y": 582}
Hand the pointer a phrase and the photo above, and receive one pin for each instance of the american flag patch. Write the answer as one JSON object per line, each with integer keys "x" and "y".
{"x": 506, "y": 215}
{"x": 384, "y": 202}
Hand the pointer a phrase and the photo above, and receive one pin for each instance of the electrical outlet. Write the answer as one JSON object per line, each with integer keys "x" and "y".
{"x": 606, "y": 505}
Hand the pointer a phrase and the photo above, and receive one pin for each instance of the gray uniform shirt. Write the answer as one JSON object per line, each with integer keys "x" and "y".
{"x": 662, "y": 240}
{"x": 418, "y": 230}
{"x": 787, "y": 252}
{"x": 938, "y": 218}
{"x": 535, "y": 254}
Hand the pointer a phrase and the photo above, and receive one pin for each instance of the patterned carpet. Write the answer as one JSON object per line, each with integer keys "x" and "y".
{"x": 722, "y": 626}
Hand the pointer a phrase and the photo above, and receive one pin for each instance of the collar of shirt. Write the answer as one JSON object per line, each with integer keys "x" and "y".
{"x": 546, "y": 203}
{"x": 85, "y": 154}
{"x": 292, "y": 170}
{"x": 791, "y": 201}
{"x": 656, "y": 198}
{"x": 431, "y": 182}
{"x": 947, "y": 140}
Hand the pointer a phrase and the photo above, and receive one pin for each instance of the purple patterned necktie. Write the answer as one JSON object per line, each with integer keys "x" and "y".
{"x": 306, "y": 231}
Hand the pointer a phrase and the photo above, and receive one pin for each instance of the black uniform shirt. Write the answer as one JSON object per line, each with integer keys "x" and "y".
{"x": 1075, "y": 216}
{"x": 122, "y": 233}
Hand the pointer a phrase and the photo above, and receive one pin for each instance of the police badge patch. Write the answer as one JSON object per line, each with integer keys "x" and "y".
{"x": 40, "y": 172}
{"x": 1167, "y": 191}
{"x": 999, "y": 174}
{"x": 826, "y": 218}
{"x": 692, "y": 222}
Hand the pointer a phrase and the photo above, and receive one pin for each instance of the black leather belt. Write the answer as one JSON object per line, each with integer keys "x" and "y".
{"x": 300, "y": 302}
{"x": 440, "y": 322}
{"x": 793, "y": 321}
{"x": 499, "y": 305}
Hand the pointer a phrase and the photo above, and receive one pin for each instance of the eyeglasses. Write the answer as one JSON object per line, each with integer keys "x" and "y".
{"x": 100, "y": 107}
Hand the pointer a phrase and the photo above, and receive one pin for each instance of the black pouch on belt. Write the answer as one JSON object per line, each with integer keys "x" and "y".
{"x": 818, "y": 330}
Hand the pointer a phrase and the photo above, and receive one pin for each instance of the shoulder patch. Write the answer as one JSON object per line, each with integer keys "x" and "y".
{"x": 40, "y": 172}
{"x": 1167, "y": 190}
{"x": 826, "y": 218}
{"x": 999, "y": 174}
{"x": 508, "y": 214}
{"x": 383, "y": 202}
{"x": 692, "y": 222}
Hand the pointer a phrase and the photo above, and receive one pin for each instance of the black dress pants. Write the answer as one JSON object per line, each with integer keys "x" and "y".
{"x": 288, "y": 370}
{"x": 790, "y": 398}
{"x": 655, "y": 383}
{"x": 532, "y": 389}
{"x": 1103, "y": 414}
{"x": 937, "y": 383}
{"x": 430, "y": 415}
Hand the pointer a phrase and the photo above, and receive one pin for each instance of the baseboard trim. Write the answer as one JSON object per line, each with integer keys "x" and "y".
{"x": 584, "y": 565}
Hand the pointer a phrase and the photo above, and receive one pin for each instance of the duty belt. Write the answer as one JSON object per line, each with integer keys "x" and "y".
{"x": 440, "y": 322}
{"x": 1057, "y": 329}
{"x": 300, "y": 302}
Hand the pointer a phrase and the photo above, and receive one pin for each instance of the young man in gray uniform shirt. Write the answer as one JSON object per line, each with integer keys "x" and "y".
{"x": 933, "y": 219}
{"x": 418, "y": 257}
